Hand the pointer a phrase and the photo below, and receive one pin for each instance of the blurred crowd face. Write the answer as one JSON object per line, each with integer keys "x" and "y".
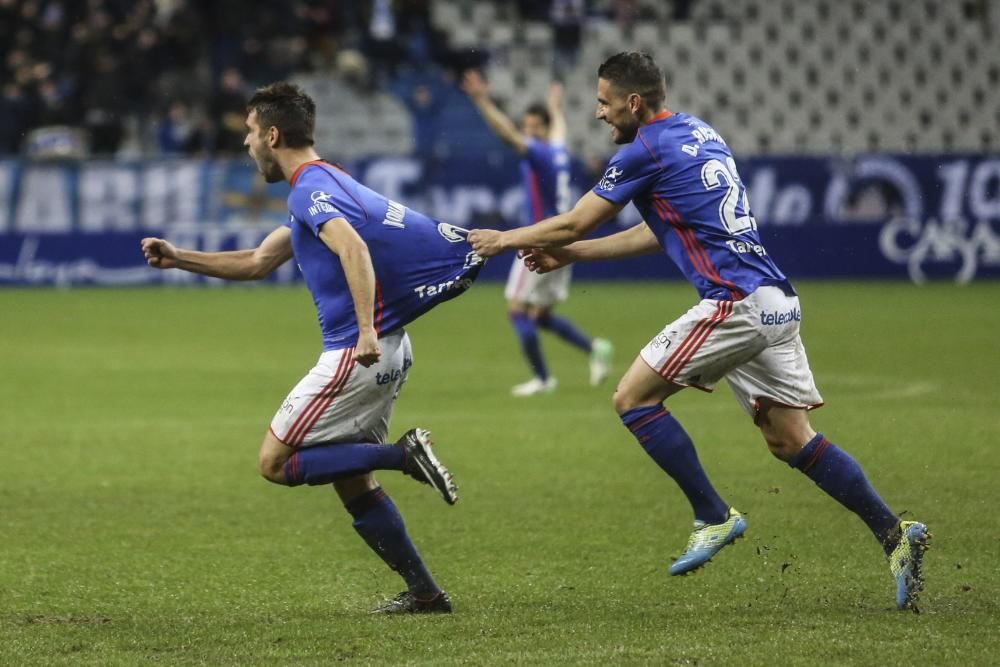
{"x": 232, "y": 80}
{"x": 532, "y": 125}
{"x": 616, "y": 108}
{"x": 258, "y": 143}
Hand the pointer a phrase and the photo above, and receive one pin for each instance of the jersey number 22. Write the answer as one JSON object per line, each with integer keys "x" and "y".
{"x": 735, "y": 207}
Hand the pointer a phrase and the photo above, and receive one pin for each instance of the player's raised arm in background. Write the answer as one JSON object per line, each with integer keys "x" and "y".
{"x": 632, "y": 242}
{"x": 557, "y": 121}
{"x": 478, "y": 91}
{"x": 344, "y": 241}
{"x": 251, "y": 264}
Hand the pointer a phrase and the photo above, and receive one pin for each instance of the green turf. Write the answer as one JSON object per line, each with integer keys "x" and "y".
{"x": 135, "y": 529}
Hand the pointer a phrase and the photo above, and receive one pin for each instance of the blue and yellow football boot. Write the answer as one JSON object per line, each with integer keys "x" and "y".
{"x": 906, "y": 563}
{"x": 707, "y": 539}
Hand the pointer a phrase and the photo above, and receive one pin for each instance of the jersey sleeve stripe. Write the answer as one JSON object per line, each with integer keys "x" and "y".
{"x": 670, "y": 216}
{"x": 694, "y": 248}
{"x": 734, "y": 293}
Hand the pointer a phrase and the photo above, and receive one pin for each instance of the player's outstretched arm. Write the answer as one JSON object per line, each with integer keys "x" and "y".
{"x": 477, "y": 90}
{"x": 557, "y": 121}
{"x": 250, "y": 264}
{"x": 632, "y": 242}
{"x": 344, "y": 241}
{"x": 560, "y": 230}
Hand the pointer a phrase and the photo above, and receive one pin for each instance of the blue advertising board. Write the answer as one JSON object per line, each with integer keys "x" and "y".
{"x": 873, "y": 216}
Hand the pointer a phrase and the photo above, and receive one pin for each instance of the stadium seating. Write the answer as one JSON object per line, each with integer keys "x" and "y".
{"x": 775, "y": 76}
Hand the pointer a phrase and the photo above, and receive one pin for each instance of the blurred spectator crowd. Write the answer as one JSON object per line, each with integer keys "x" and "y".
{"x": 171, "y": 77}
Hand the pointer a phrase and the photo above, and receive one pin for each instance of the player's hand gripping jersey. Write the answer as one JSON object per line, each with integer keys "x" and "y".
{"x": 419, "y": 262}
{"x": 681, "y": 176}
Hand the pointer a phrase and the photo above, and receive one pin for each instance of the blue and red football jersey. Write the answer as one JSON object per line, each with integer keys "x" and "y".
{"x": 682, "y": 178}
{"x": 545, "y": 178}
{"x": 418, "y": 261}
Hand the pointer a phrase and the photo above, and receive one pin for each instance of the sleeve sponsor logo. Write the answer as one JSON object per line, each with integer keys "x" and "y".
{"x": 610, "y": 178}
{"x": 321, "y": 204}
{"x": 394, "y": 215}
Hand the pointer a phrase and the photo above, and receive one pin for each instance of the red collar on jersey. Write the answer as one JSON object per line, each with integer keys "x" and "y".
{"x": 302, "y": 166}
{"x": 659, "y": 116}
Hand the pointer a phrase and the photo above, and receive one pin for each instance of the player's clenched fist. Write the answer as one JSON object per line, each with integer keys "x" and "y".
{"x": 367, "y": 350}
{"x": 486, "y": 242}
{"x": 159, "y": 253}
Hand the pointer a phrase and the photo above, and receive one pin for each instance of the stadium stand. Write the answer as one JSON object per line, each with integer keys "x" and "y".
{"x": 774, "y": 76}
{"x": 785, "y": 77}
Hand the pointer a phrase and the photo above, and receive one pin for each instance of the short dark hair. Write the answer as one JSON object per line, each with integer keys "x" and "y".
{"x": 635, "y": 72}
{"x": 540, "y": 110}
{"x": 287, "y": 107}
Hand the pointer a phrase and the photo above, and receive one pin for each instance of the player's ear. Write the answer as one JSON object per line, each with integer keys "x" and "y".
{"x": 634, "y": 103}
{"x": 273, "y": 136}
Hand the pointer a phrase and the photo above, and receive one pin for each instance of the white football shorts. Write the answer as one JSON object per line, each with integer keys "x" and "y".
{"x": 340, "y": 400}
{"x": 546, "y": 289}
{"x": 753, "y": 343}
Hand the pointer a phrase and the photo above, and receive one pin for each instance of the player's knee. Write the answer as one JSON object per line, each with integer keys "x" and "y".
{"x": 271, "y": 467}
{"x": 786, "y": 430}
{"x": 623, "y": 401}
{"x": 783, "y": 447}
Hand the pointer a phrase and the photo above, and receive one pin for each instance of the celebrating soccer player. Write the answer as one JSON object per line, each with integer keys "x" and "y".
{"x": 372, "y": 266}
{"x": 545, "y": 176}
{"x": 681, "y": 176}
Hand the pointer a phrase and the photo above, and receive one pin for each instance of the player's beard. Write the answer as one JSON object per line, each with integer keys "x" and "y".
{"x": 269, "y": 167}
{"x": 624, "y": 135}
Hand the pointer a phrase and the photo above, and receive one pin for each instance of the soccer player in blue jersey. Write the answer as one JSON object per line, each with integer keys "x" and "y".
{"x": 372, "y": 266}
{"x": 545, "y": 176}
{"x": 681, "y": 176}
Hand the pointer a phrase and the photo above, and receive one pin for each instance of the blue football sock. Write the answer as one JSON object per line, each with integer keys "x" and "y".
{"x": 842, "y": 478}
{"x": 565, "y": 329}
{"x": 324, "y": 463}
{"x": 527, "y": 333}
{"x": 381, "y": 526}
{"x": 666, "y": 442}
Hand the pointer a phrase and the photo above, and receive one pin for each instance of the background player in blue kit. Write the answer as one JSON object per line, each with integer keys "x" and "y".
{"x": 372, "y": 266}
{"x": 681, "y": 176}
{"x": 545, "y": 178}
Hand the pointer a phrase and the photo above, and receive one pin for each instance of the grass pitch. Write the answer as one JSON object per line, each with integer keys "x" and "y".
{"x": 135, "y": 529}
